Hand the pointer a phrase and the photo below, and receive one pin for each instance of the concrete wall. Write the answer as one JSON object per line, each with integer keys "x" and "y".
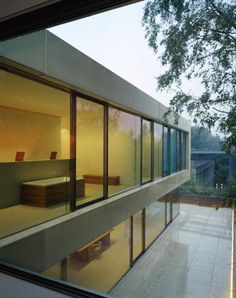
{"x": 14, "y": 173}
{"x": 47, "y": 56}
{"x": 40, "y": 247}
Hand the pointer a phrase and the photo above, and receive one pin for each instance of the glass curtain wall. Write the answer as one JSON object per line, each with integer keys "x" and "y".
{"x": 166, "y": 151}
{"x": 183, "y": 150}
{"x": 155, "y": 221}
{"x": 34, "y": 153}
{"x": 137, "y": 235}
{"x": 123, "y": 151}
{"x": 175, "y": 203}
{"x": 89, "y": 150}
{"x": 100, "y": 264}
{"x": 35, "y": 146}
{"x": 178, "y": 148}
{"x": 158, "y": 143}
{"x": 168, "y": 209}
{"x": 146, "y": 150}
{"x": 173, "y": 151}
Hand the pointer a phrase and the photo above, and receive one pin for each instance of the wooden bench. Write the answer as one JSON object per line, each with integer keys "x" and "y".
{"x": 97, "y": 179}
{"x": 48, "y": 192}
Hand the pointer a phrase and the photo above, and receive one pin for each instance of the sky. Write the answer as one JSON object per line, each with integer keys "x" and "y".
{"x": 116, "y": 39}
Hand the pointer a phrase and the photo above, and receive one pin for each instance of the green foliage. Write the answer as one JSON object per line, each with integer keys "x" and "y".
{"x": 191, "y": 188}
{"x": 232, "y": 187}
{"x": 197, "y": 39}
{"x": 202, "y": 139}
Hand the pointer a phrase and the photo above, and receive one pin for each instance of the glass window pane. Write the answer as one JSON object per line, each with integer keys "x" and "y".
{"x": 166, "y": 158}
{"x": 89, "y": 151}
{"x": 100, "y": 264}
{"x": 178, "y": 148}
{"x": 155, "y": 220}
{"x": 173, "y": 155}
{"x": 34, "y": 153}
{"x": 183, "y": 150}
{"x": 175, "y": 203}
{"x": 168, "y": 209}
{"x": 146, "y": 151}
{"x": 123, "y": 151}
{"x": 137, "y": 234}
{"x": 157, "y": 150}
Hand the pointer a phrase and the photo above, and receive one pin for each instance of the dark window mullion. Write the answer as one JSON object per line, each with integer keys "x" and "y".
{"x": 105, "y": 153}
{"x": 72, "y": 164}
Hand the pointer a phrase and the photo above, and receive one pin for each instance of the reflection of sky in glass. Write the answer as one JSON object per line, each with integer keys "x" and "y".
{"x": 158, "y": 131}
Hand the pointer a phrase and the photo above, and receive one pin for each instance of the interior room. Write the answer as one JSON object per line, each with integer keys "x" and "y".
{"x": 35, "y": 151}
{"x": 100, "y": 264}
{"x": 34, "y": 123}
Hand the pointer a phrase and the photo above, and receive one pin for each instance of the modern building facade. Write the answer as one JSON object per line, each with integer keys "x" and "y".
{"x": 88, "y": 164}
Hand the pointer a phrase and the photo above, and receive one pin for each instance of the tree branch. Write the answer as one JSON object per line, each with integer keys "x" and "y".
{"x": 224, "y": 33}
{"x": 220, "y": 111}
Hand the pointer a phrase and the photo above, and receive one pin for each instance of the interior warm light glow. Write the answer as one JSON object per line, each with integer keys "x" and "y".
{"x": 232, "y": 259}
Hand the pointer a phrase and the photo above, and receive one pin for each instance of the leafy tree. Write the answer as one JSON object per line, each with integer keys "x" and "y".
{"x": 197, "y": 39}
{"x": 202, "y": 139}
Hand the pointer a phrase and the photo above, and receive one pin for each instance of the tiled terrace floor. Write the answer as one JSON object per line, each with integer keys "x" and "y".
{"x": 192, "y": 258}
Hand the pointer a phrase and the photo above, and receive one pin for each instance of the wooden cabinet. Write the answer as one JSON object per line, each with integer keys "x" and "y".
{"x": 93, "y": 249}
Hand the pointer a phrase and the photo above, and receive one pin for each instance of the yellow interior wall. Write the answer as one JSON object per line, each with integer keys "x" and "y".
{"x": 34, "y": 118}
{"x": 65, "y": 137}
{"x": 122, "y": 160}
{"x": 35, "y": 134}
{"x": 89, "y": 152}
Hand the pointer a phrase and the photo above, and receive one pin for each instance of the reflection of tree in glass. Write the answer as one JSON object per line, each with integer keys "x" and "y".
{"x": 114, "y": 116}
{"x": 124, "y": 146}
{"x": 89, "y": 113}
{"x": 124, "y": 123}
{"x": 146, "y": 129}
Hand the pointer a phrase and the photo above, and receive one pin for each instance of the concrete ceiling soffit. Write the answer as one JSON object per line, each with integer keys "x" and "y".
{"x": 26, "y": 18}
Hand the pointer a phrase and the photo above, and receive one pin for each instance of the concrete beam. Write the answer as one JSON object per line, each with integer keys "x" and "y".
{"x": 45, "y": 55}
